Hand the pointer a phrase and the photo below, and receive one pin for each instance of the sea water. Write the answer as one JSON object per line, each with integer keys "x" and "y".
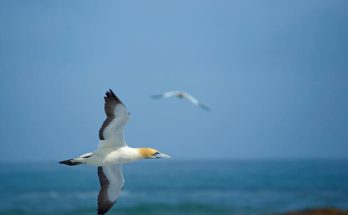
{"x": 178, "y": 187}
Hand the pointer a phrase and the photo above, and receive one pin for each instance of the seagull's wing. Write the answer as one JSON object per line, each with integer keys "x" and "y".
{"x": 195, "y": 101}
{"x": 111, "y": 183}
{"x": 112, "y": 129}
{"x": 166, "y": 94}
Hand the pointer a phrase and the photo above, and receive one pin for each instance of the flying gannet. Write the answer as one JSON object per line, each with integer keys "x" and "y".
{"x": 112, "y": 152}
{"x": 181, "y": 95}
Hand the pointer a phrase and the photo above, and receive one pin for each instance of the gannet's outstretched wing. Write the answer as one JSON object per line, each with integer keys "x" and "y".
{"x": 111, "y": 183}
{"x": 111, "y": 132}
{"x": 167, "y": 94}
{"x": 194, "y": 101}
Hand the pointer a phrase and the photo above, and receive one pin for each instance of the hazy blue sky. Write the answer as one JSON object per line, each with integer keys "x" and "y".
{"x": 274, "y": 73}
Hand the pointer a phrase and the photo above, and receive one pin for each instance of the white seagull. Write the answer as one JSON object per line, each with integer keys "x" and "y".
{"x": 181, "y": 95}
{"x": 112, "y": 152}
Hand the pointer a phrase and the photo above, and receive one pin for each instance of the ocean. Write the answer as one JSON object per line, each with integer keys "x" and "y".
{"x": 178, "y": 187}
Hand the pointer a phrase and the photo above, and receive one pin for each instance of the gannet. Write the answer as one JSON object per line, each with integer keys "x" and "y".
{"x": 181, "y": 95}
{"x": 112, "y": 152}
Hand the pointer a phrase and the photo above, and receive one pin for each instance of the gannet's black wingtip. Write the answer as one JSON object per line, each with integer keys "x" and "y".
{"x": 70, "y": 162}
{"x": 205, "y": 107}
{"x": 158, "y": 96}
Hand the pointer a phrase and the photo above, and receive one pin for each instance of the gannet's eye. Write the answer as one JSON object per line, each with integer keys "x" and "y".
{"x": 156, "y": 153}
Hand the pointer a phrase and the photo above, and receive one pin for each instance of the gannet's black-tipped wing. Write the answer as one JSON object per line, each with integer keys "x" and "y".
{"x": 111, "y": 183}
{"x": 111, "y": 131}
{"x": 195, "y": 101}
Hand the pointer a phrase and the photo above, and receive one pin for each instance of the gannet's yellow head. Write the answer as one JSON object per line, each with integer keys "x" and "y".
{"x": 150, "y": 153}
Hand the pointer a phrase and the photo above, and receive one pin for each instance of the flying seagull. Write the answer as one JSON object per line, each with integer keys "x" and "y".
{"x": 181, "y": 95}
{"x": 112, "y": 152}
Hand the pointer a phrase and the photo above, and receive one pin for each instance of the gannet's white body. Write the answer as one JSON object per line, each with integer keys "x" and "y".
{"x": 109, "y": 156}
{"x": 112, "y": 152}
{"x": 181, "y": 95}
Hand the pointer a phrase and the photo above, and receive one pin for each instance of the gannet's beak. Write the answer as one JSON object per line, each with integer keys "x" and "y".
{"x": 162, "y": 155}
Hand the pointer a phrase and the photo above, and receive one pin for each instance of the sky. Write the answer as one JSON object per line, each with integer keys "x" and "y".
{"x": 273, "y": 72}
